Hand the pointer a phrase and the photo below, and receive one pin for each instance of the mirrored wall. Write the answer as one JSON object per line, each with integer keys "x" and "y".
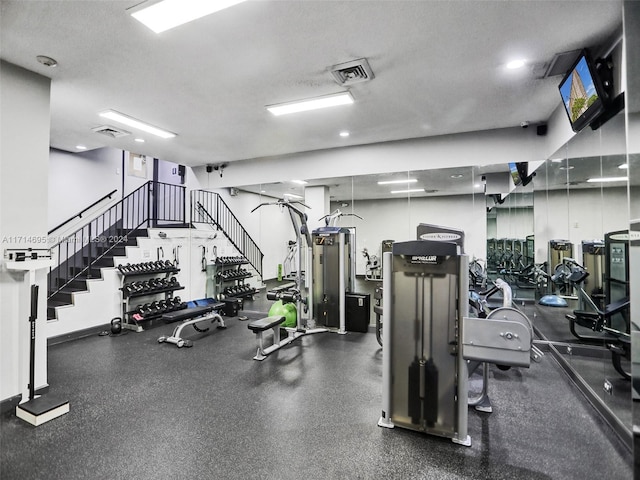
{"x": 537, "y": 237}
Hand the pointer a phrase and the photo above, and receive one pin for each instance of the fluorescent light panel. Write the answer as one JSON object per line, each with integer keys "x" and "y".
{"x": 410, "y": 190}
{"x": 299, "y": 182}
{"x": 392, "y": 182}
{"x": 343, "y": 98}
{"x": 292, "y": 195}
{"x": 168, "y": 14}
{"x": 608, "y": 179}
{"x": 135, "y": 123}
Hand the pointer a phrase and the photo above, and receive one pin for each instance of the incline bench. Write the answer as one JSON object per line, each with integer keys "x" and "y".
{"x": 190, "y": 316}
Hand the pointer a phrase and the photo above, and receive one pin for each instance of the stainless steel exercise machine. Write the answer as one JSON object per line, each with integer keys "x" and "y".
{"x": 429, "y": 336}
{"x": 298, "y": 293}
{"x": 333, "y": 274}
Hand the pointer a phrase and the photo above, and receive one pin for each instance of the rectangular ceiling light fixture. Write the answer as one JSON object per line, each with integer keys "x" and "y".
{"x": 410, "y": 190}
{"x": 325, "y": 101}
{"x": 167, "y": 14}
{"x": 134, "y": 123}
{"x": 392, "y": 182}
{"x": 608, "y": 179}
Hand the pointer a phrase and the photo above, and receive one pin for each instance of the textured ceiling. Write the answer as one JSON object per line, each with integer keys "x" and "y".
{"x": 438, "y": 65}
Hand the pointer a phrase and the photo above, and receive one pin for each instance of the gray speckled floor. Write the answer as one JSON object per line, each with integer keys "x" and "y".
{"x": 143, "y": 410}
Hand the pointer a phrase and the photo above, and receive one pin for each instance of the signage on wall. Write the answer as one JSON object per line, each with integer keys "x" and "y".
{"x": 137, "y": 165}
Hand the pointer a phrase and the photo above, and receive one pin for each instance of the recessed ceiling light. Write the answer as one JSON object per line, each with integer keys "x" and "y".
{"x": 299, "y": 182}
{"x": 343, "y": 98}
{"x": 457, "y": 175}
{"x": 135, "y": 123}
{"x": 139, "y": 140}
{"x": 608, "y": 179}
{"x": 566, "y": 167}
{"x": 514, "y": 64}
{"x": 47, "y": 61}
{"x": 391, "y": 182}
{"x": 81, "y": 147}
{"x": 624, "y": 166}
{"x": 168, "y": 14}
{"x": 344, "y": 134}
{"x": 292, "y": 195}
{"x": 410, "y": 190}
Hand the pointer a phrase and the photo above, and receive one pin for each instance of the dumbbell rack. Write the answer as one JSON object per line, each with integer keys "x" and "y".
{"x": 155, "y": 270}
{"x": 229, "y": 278}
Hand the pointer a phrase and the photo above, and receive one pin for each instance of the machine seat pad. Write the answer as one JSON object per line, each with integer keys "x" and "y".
{"x": 616, "y": 307}
{"x": 586, "y": 314}
{"x": 186, "y": 313}
{"x": 265, "y": 323}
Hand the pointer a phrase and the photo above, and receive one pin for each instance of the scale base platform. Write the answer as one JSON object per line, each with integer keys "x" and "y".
{"x": 42, "y": 409}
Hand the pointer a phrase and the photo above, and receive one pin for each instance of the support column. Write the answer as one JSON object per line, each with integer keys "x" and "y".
{"x": 317, "y": 198}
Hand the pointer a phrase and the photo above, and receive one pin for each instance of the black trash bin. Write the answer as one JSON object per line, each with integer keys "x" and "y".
{"x": 357, "y": 312}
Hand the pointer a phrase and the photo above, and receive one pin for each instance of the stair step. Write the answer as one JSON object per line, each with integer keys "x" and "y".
{"x": 92, "y": 274}
{"x": 141, "y": 232}
{"x": 63, "y": 297}
{"x": 106, "y": 261}
{"x": 77, "y": 283}
{"x": 119, "y": 251}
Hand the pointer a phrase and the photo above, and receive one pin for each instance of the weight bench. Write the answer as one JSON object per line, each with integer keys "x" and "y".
{"x": 191, "y": 316}
{"x": 259, "y": 327}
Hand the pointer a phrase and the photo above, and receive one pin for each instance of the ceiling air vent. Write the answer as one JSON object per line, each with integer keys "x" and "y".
{"x": 356, "y": 71}
{"x": 110, "y": 131}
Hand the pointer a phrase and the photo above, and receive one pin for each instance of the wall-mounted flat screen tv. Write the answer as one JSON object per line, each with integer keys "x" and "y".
{"x": 515, "y": 174}
{"x": 583, "y": 95}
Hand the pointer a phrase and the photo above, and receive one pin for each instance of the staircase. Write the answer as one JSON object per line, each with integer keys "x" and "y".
{"x": 83, "y": 253}
{"x": 92, "y": 247}
{"x": 61, "y": 290}
{"x": 209, "y": 208}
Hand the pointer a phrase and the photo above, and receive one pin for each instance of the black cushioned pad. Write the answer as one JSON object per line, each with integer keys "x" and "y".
{"x": 265, "y": 323}
{"x": 186, "y": 313}
{"x": 616, "y": 307}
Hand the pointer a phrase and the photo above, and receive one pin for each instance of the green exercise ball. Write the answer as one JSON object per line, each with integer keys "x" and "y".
{"x": 287, "y": 310}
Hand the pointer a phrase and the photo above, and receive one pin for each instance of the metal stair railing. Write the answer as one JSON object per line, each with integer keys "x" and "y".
{"x": 77, "y": 253}
{"x": 209, "y": 208}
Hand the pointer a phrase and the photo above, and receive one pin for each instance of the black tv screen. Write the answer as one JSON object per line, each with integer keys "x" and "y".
{"x": 515, "y": 173}
{"x": 582, "y": 92}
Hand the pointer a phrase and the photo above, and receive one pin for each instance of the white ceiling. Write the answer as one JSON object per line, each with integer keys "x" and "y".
{"x": 438, "y": 65}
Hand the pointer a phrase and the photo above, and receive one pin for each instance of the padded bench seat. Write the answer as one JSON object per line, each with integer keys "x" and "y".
{"x": 191, "y": 317}
{"x": 265, "y": 323}
{"x": 188, "y": 313}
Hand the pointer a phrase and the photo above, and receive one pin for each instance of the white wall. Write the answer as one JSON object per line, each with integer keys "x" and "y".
{"x": 398, "y": 220}
{"x": 24, "y": 153}
{"x": 76, "y": 180}
{"x": 168, "y": 172}
{"x": 584, "y": 214}
{"x": 514, "y": 223}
